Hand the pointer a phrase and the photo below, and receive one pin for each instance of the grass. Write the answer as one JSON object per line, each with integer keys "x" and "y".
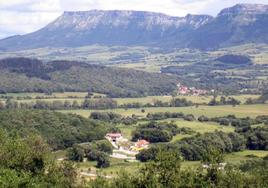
{"x": 59, "y": 154}
{"x": 80, "y": 96}
{"x": 57, "y": 95}
{"x": 210, "y": 111}
{"x": 126, "y": 130}
{"x": 119, "y": 165}
{"x": 241, "y": 156}
{"x": 200, "y": 127}
{"x": 196, "y": 126}
{"x": 258, "y": 52}
{"x": 116, "y": 167}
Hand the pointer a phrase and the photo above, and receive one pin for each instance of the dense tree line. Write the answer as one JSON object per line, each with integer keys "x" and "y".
{"x": 152, "y": 152}
{"x": 260, "y": 100}
{"x": 169, "y": 115}
{"x": 174, "y": 102}
{"x": 237, "y": 122}
{"x": 158, "y": 131}
{"x": 223, "y": 120}
{"x": 194, "y": 148}
{"x": 59, "y": 130}
{"x": 102, "y": 103}
{"x": 256, "y": 138}
{"x": 224, "y": 101}
{"x": 164, "y": 115}
{"x": 95, "y": 103}
{"x": 114, "y": 118}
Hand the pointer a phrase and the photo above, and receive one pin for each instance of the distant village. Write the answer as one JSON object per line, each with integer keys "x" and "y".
{"x": 184, "y": 90}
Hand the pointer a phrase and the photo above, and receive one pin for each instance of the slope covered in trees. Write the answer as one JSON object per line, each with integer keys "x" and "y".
{"x": 31, "y": 75}
{"x": 59, "y": 130}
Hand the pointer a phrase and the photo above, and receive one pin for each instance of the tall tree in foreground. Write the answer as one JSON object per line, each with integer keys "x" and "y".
{"x": 26, "y": 162}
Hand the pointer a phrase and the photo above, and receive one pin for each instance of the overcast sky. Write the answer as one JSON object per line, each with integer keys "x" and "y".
{"x": 24, "y": 16}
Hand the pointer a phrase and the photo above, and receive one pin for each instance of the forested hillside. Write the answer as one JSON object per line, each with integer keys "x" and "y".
{"x": 31, "y": 75}
{"x": 59, "y": 130}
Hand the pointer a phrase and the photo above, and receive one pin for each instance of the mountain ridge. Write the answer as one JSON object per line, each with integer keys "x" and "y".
{"x": 246, "y": 9}
{"x": 125, "y": 27}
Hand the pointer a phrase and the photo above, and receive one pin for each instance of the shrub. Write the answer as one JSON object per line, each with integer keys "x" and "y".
{"x": 203, "y": 118}
{"x": 189, "y": 117}
{"x": 224, "y": 121}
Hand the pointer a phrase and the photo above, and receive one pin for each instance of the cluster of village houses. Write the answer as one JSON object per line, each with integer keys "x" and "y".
{"x": 184, "y": 90}
{"x": 121, "y": 143}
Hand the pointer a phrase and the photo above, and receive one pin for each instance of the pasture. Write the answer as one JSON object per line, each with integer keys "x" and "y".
{"x": 209, "y": 111}
{"x": 118, "y": 166}
{"x": 241, "y": 156}
{"x": 80, "y": 96}
{"x": 198, "y": 127}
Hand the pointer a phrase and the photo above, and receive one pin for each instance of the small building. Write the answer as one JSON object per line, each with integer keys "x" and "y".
{"x": 113, "y": 136}
{"x": 140, "y": 145}
{"x": 183, "y": 90}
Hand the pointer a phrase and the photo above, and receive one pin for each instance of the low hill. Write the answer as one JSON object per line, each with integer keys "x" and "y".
{"x": 234, "y": 59}
{"x": 31, "y": 75}
{"x": 59, "y": 130}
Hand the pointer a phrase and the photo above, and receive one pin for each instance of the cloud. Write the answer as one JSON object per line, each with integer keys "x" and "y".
{"x": 23, "y": 16}
{"x": 24, "y": 22}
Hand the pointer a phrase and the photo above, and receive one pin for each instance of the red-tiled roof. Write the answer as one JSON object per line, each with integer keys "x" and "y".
{"x": 117, "y": 135}
{"x": 141, "y": 143}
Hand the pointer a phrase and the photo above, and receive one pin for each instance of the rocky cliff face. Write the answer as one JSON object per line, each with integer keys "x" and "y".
{"x": 243, "y": 23}
{"x": 240, "y": 9}
{"x": 108, "y": 28}
{"x": 239, "y": 24}
{"x": 88, "y": 20}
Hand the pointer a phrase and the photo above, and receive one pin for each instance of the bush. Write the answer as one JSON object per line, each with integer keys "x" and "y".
{"x": 256, "y": 138}
{"x": 104, "y": 146}
{"x": 129, "y": 121}
{"x": 224, "y": 121}
{"x": 76, "y": 153}
{"x": 153, "y": 151}
{"x": 178, "y": 102}
{"x": 152, "y": 135}
{"x": 189, "y": 117}
{"x": 155, "y": 132}
{"x": 203, "y": 118}
{"x": 103, "y": 161}
{"x": 101, "y": 157}
{"x": 105, "y": 116}
{"x": 236, "y": 122}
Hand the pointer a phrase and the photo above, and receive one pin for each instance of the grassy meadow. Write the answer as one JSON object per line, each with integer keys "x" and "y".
{"x": 80, "y": 97}
{"x": 210, "y": 111}
{"x": 119, "y": 165}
